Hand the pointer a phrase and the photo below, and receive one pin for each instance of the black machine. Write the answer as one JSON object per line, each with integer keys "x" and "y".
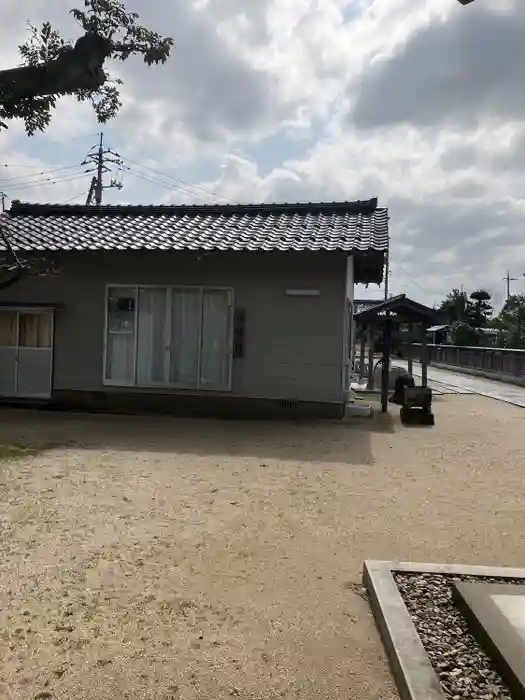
{"x": 415, "y": 401}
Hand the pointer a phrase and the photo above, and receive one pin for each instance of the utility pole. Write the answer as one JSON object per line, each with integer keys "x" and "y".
{"x": 2, "y": 202}
{"x": 100, "y": 158}
{"x": 508, "y": 279}
{"x": 99, "y": 187}
{"x": 91, "y": 190}
{"x": 387, "y": 273}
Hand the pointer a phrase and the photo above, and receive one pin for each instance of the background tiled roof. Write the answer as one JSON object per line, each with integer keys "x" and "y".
{"x": 345, "y": 226}
{"x": 365, "y": 304}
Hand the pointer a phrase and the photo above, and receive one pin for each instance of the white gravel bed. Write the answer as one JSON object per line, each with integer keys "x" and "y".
{"x": 464, "y": 670}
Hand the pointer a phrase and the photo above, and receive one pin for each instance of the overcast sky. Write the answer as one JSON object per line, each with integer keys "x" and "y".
{"x": 420, "y": 103}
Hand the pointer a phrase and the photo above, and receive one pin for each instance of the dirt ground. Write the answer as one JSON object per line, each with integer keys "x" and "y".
{"x": 168, "y": 559}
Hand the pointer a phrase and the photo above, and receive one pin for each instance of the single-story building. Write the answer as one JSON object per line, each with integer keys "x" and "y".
{"x": 210, "y": 309}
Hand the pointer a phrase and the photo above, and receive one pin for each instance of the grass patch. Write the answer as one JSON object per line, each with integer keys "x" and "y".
{"x": 9, "y": 453}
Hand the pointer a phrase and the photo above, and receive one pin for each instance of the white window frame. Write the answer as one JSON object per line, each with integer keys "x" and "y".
{"x": 169, "y": 302}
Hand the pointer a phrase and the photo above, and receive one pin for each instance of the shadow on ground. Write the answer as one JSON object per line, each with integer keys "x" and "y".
{"x": 347, "y": 441}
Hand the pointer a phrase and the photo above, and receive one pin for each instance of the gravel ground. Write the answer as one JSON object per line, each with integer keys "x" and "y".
{"x": 165, "y": 559}
{"x": 463, "y": 668}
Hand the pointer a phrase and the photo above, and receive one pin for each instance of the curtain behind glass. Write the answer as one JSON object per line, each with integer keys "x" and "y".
{"x": 35, "y": 330}
{"x": 119, "y": 360}
{"x": 8, "y": 328}
{"x": 151, "y": 341}
{"x": 185, "y": 337}
{"x": 216, "y": 340}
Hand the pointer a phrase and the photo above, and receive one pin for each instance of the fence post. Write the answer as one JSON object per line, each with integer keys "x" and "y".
{"x": 362, "y": 349}
{"x": 370, "y": 343}
{"x": 424, "y": 356}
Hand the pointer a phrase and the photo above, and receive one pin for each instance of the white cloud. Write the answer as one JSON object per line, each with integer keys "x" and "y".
{"x": 320, "y": 99}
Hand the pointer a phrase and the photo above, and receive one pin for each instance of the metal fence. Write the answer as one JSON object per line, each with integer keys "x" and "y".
{"x": 499, "y": 360}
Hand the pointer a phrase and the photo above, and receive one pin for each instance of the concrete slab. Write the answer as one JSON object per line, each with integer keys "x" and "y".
{"x": 496, "y": 616}
{"x": 413, "y": 673}
{"x": 513, "y": 608}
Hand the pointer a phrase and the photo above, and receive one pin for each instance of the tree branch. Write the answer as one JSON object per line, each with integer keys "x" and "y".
{"x": 77, "y": 68}
{"x": 53, "y": 67}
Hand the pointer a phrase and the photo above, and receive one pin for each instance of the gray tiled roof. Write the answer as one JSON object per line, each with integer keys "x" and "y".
{"x": 365, "y": 304}
{"x": 345, "y": 226}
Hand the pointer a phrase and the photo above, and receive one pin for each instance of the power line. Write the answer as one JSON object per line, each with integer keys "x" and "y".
{"x": 18, "y": 165}
{"x": 42, "y": 173}
{"x": 176, "y": 179}
{"x": 160, "y": 183}
{"x": 39, "y": 180}
{"x": 45, "y": 183}
{"x": 71, "y": 199}
{"x": 100, "y": 157}
{"x": 414, "y": 278}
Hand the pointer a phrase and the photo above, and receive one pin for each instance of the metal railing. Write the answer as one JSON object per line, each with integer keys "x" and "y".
{"x": 506, "y": 361}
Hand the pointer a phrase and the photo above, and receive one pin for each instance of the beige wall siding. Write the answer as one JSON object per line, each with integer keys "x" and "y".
{"x": 294, "y": 346}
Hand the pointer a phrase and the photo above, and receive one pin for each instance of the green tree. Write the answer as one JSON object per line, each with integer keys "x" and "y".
{"x": 511, "y": 322}
{"x": 464, "y": 334}
{"x": 481, "y": 309}
{"x": 53, "y": 66}
{"x": 456, "y": 311}
{"x": 466, "y": 314}
{"x": 454, "y": 307}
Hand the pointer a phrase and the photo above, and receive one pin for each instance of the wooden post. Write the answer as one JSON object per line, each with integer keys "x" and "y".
{"x": 362, "y": 349}
{"x": 410, "y": 350}
{"x": 353, "y": 338}
{"x": 370, "y": 343}
{"x": 385, "y": 374}
{"x": 424, "y": 356}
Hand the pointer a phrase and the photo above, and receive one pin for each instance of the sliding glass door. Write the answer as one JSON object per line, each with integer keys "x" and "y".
{"x": 169, "y": 336}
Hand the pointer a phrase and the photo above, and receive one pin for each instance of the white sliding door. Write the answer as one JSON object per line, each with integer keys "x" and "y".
{"x": 35, "y": 355}
{"x": 26, "y": 354}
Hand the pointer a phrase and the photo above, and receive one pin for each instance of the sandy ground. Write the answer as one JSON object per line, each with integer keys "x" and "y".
{"x": 181, "y": 559}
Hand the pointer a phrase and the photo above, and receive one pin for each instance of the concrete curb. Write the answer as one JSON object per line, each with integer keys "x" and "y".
{"x": 413, "y": 673}
{"x": 482, "y": 373}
